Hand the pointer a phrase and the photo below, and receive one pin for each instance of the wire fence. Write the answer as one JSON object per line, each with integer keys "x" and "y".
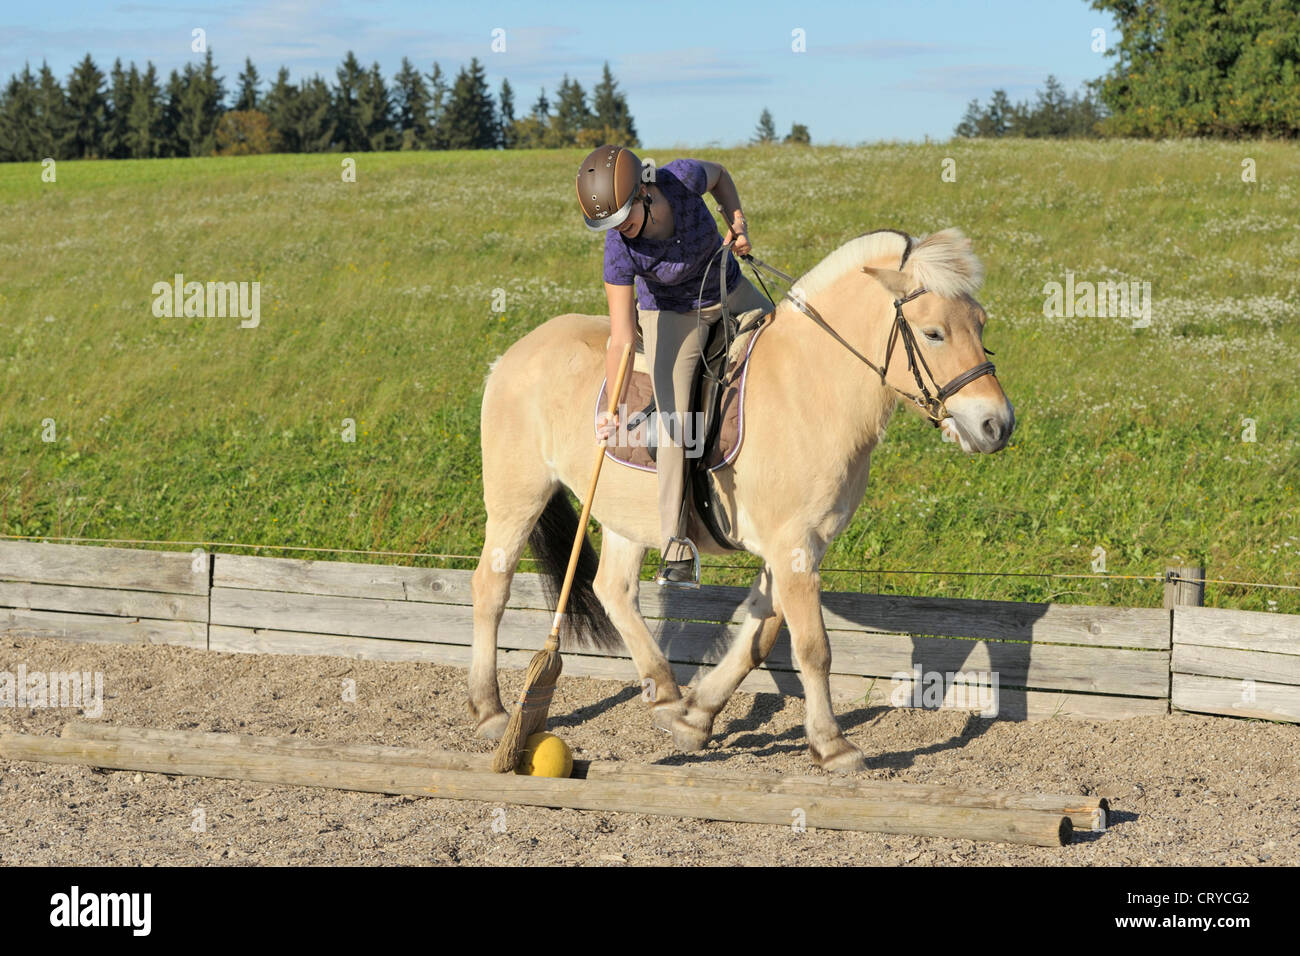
{"x": 1166, "y": 578}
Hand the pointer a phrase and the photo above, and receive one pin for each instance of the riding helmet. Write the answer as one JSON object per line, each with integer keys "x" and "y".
{"x": 608, "y": 182}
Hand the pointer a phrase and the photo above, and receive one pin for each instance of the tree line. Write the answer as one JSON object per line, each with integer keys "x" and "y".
{"x": 1191, "y": 68}
{"x": 1053, "y": 113}
{"x": 132, "y": 113}
{"x": 765, "y": 132}
{"x": 1204, "y": 68}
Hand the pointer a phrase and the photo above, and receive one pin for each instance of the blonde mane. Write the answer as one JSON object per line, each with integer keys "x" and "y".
{"x": 941, "y": 262}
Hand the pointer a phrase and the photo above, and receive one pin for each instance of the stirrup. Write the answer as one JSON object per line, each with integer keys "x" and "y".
{"x": 661, "y": 577}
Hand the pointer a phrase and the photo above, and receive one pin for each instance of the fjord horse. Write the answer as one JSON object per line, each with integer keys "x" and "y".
{"x": 816, "y": 405}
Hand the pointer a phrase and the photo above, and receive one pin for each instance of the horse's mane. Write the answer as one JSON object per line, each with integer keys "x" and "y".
{"x": 941, "y": 262}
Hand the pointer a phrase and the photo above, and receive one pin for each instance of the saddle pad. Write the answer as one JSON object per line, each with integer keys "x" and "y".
{"x": 640, "y": 393}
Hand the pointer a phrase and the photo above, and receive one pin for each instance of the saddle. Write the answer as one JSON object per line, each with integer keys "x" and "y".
{"x": 718, "y": 392}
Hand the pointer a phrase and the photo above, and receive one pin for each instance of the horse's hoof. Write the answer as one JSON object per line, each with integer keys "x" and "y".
{"x": 687, "y": 737}
{"x": 494, "y": 727}
{"x": 842, "y": 757}
{"x": 665, "y": 714}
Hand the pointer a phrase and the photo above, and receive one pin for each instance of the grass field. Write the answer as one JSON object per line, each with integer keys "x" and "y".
{"x": 377, "y": 305}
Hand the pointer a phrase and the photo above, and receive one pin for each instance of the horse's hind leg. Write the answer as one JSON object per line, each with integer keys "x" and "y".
{"x": 758, "y": 632}
{"x": 514, "y": 503}
{"x": 617, "y": 585}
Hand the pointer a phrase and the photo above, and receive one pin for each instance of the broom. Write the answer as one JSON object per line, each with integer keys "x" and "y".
{"x": 539, "y": 683}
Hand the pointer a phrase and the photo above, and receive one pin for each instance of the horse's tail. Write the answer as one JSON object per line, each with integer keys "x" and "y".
{"x": 585, "y": 619}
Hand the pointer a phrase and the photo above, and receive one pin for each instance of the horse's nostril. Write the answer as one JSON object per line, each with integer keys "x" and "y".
{"x": 993, "y": 429}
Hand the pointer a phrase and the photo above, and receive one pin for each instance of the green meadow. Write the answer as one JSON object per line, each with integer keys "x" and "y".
{"x": 378, "y": 306}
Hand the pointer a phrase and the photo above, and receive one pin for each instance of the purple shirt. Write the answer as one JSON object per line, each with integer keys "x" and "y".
{"x": 667, "y": 272}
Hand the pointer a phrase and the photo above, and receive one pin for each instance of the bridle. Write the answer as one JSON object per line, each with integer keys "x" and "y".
{"x": 931, "y": 403}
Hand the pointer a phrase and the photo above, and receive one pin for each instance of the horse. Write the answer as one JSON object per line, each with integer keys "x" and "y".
{"x": 816, "y": 406}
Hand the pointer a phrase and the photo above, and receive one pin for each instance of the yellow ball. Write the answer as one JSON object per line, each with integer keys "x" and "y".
{"x": 546, "y": 755}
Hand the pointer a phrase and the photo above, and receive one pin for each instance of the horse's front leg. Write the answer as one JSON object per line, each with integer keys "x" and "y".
{"x": 799, "y": 593}
{"x": 617, "y": 585}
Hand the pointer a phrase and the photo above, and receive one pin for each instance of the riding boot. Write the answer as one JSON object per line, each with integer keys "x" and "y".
{"x": 682, "y": 573}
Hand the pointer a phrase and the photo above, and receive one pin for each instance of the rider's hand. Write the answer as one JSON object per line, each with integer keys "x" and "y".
{"x": 737, "y": 235}
{"x": 607, "y": 426}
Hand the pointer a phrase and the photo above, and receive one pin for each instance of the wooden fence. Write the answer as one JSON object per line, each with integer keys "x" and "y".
{"x": 1046, "y": 659}
{"x": 1238, "y": 663}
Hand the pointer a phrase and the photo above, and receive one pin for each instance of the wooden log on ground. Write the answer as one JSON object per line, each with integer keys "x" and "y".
{"x": 834, "y": 812}
{"x": 1089, "y": 812}
{"x": 1085, "y": 812}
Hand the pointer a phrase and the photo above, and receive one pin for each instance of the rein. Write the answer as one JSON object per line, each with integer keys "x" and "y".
{"x": 931, "y": 404}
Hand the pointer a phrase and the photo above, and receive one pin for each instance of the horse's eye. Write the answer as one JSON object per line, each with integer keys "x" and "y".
{"x": 934, "y": 335}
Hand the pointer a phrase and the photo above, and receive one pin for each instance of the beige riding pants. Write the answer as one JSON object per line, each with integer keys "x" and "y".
{"x": 673, "y": 352}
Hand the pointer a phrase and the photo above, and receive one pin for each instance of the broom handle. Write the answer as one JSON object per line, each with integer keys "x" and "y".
{"x": 591, "y": 493}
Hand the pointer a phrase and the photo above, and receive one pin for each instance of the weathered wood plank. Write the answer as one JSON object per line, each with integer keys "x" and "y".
{"x": 1085, "y": 812}
{"x": 1045, "y": 705}
{"x": 1013, "y": 704}
{"x": 1034, "y": 827}
{"x": 1105, "y": 670}
{"x": 999, "y": 620}
{"x": 1045, "y": 667}
{"x": 342, "y": 579}
{"x": 1237, "y": 664}
{"x": 135, "y": 570}
{"x": 419, "y": 621}
{"x": 324, "y": 614}
{"x": 1236, "y": 698}
{"x": 952, "y": 617}
{"x": 902, "y": 614}
{"x": 100, "y": 629}
{"x": 892, "y": 614}
{"x": 54, "y": 597}
{"x": 244, "y": 640}
{"x": 1243, "y": 630}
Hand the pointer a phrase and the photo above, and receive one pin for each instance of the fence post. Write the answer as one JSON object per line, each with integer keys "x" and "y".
{"x": 1180, "y": 591}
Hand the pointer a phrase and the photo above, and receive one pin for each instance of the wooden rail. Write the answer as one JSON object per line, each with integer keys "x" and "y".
{"x": 1085, "y": 812}
{"x": 674, "y": 793}
{"x": 1236, "y": 663}
{"x": 1048, "y": 659}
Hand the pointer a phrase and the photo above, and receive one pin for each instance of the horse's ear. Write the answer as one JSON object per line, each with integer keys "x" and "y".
{"x": 897, "y": 283}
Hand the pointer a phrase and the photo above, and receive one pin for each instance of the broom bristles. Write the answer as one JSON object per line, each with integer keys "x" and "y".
{"x": 534, "y": 704}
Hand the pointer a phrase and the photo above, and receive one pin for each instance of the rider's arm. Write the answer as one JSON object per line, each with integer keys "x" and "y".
{"x": 723, "y": 188}
{"x": 622, "y": 330}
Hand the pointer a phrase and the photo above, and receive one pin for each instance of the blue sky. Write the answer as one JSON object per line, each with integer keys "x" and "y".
{"x": 695, "y": 74}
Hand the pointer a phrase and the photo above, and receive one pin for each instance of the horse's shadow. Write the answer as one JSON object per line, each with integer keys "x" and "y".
{"x": 922, "y": 671}
{"x": 744, "y": 736}
{"x": 580, "y": 715}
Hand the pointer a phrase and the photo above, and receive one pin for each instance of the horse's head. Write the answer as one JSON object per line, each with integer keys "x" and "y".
{"x": 934, "y": 341}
